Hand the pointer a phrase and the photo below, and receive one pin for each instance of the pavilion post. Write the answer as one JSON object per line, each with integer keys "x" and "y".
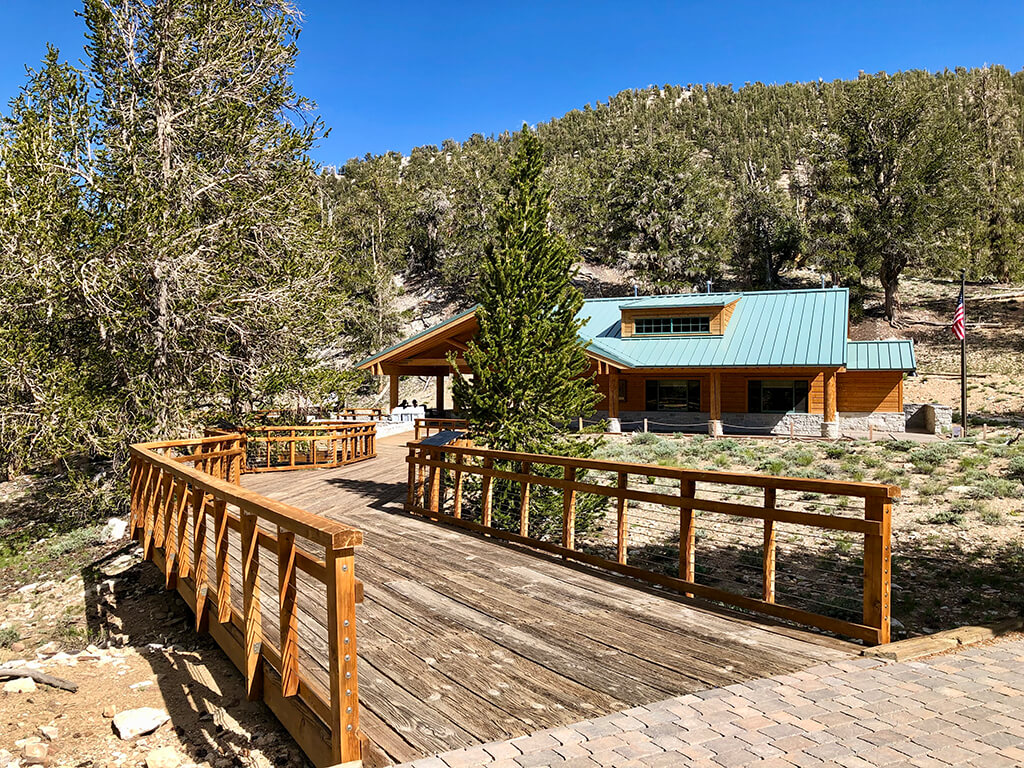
{"x": 715, "y": 416}
{"x": 393, "y": 393}
{"x": 439, "y": 387}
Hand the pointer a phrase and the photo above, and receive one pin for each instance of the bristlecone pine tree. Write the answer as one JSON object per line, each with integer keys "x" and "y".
{"x": 527, "y": 362}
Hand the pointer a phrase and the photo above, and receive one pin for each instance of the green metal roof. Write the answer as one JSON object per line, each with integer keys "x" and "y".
{"x": 767, "y": 328}
{"x": 682, "y": 300}
{"x": 800, "y": 328}
{"x": 424, "y": 332}
{"x": 887, "y": 355}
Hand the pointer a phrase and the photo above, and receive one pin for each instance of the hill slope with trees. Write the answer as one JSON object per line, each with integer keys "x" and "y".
{"x": 862, "y": 180}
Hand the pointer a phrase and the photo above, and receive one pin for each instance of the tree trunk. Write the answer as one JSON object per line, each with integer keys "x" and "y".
{"x": 893, "y": 306}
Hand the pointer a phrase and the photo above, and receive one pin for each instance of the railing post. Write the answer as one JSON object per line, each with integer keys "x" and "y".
{"x": 768, "y": 554}
{"x": 524, "y": 502}
{"x": 160, "y": 518}
{"x": 291, "y": 450}
{"x": 622, "y": 520}
{"x": 200, "y": 571}
{"x": 410, "y": 491}
{"x": 687, "y": 531}
{"x": 223, "y": 565}
{"x": 878, "y": 567}
{"x": 435, "y": 485}
{"x": 177, "y": 553}
{"x": 251, "y": 607}
{"x": 486, "y": 494}
{"x": 457, "y": 500}
{"x": 569, "y": 510}
{"x": 341, "y": 638}
{"x": 289, "y": 617}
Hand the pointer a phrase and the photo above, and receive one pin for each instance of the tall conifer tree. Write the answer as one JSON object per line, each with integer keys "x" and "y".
{"x": 527, "y": 362}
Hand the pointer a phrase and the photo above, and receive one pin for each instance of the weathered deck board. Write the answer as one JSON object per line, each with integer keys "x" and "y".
{"x": 463, "y": 640}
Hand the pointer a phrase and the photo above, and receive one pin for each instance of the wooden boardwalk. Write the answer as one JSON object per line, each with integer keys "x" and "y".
{"x": 463, "y": 640}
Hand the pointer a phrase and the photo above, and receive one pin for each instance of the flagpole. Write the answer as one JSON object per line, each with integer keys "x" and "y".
{"x": 963, "y": 357}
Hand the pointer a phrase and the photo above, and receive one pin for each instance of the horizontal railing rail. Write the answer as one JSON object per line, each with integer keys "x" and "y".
{"x": 355, "y": 414}
{"x": 278, "y": 448}
{"x": 643, "y": 521}
{"x": 428, "y": 427}
{"x": 222, "y": 546}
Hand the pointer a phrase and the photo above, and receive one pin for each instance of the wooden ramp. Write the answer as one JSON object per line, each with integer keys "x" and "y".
{"x": 464, "y": 640}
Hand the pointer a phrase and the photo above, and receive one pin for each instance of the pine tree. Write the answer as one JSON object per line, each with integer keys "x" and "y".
{"x": 527, "y": 362}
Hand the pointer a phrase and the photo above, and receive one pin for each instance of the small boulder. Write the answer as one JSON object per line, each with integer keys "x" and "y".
{"x": 109, "y": 711}
{"x": 17, "y": 647}
{"x": 49, "y": 732}
{"x": 163, "y": 757}
{"x": 136, "y": 722}
{"x": 114, "y": 530}
{"x": 20, "y": 685}
{"x": 6, "y": 758}
{"x": 35, "y": 754}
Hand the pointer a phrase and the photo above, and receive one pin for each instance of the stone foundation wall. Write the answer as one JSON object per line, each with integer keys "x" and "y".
{"x": 929, "y": 417}
{"x": 861, "y": 422}
{"x": 804, "y": 424}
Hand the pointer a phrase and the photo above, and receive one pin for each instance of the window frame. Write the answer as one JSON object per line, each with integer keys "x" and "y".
{"x": 796, "y": 387}
{"x": 667, "y": 327}
{"x": 693, "y": 395}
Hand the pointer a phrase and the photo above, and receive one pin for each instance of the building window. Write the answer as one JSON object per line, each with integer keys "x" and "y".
{"x": 777, "y": 396}
{"x": 660, "y": 326}
{"x": 673, "y": 395}
{"x": 622, "y": 390}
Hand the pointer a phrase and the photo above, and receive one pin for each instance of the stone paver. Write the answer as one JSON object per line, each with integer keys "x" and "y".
{"x": 961, "y": 709}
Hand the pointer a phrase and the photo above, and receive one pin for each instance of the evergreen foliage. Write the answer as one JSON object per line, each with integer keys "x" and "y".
{"x": 527, "y": 362}
{"x": 657, "y": 182}
{"x": 162, "y": 245}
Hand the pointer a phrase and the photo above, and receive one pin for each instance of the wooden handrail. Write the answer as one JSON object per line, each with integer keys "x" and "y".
{"x": 306, "y": 446}
{"x": 430, "y": 465}
{"x": 428, "y": 427}
{"x": 173, "y": 507}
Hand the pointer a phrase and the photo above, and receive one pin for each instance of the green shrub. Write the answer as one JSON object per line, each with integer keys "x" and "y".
{"x": 666, "y": 449}
{"x": 836, "y": 451}
{"x": 9, "y": 636}
{"x": 899, "y": 445}
{"x": 773, "y": 466}
{"x": 954, "y": 515}
{"x": 974, "y": 462}
{"x": 1015, "y": 468}
{"x": 990, "y": 516}
{"x": 993, "y": 487}
{"x": 645, "y": 438}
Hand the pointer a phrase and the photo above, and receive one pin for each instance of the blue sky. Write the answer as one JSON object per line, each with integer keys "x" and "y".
{"x": 390, "y": 76}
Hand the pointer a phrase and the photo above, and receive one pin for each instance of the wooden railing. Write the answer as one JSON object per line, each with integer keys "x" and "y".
{"x": 273, "y": 449}
{"x": 243, "y": 563}
{"x": 669, "y": 526}
{"x": 428, "y": 427}
{"x": 356, "y": 414}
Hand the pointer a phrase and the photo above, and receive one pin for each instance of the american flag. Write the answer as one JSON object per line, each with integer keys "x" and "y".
{"x": 958, "y": 318}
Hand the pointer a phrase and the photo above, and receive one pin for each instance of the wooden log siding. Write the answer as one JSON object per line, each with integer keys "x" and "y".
{"x": 428, "y": 427}
{"x": 182, "y": 489}
{"x": 873, "y": 524}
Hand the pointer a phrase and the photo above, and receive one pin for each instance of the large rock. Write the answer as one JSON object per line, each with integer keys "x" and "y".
{"x": 163, "y": 757}
{"x": 138, "y": 722}
{"x": 114, "y": 530}
{"x": 35, "y": 754}
{"x": 20, "y": 685}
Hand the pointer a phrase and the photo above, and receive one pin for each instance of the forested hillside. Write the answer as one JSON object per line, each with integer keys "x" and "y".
{"x": 170, "y": 254}
{"x": 864, "y": 180}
